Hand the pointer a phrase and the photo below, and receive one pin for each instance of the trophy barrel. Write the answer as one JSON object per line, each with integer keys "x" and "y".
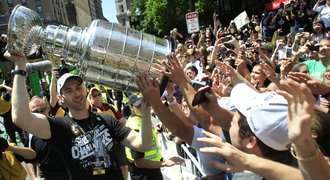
{"x": 115, "y": 55}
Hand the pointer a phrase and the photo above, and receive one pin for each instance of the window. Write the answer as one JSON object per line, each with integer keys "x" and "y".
{"x": 39, "y": 9}
{"x": 24, "y": 2}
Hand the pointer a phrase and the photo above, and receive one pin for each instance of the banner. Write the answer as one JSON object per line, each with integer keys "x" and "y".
{"x": 275, "y": 4}
{"x": 241, "y": 20}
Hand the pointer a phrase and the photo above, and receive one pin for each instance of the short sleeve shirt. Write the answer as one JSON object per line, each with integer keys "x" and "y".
{"x": 87, "y": 145}
{"x": 316, "y": 69}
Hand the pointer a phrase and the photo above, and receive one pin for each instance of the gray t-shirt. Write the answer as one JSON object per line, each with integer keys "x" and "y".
{"x": 246, "y": 176}
{"x": 205, "y": 158}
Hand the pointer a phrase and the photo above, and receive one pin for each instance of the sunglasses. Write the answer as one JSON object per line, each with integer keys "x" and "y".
{"x": 96, "y": 95}
{"x": 41, "y": 110}
{"x": 208, "y": 41}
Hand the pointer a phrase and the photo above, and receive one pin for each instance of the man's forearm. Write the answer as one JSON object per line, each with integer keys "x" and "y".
{"x": 146, "y": 132}
{"x": 30, "y": 169}
{"x": 271, "y": 170}
{"x": 180, "y": 128}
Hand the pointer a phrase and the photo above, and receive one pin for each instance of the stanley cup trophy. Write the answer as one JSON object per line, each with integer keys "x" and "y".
{"x": 105, "y": 53}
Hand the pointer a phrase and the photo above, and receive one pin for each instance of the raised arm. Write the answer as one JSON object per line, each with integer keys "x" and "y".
{"x": 141, "y": 141}
{"x": 238, "y": 161}
{"x": 176, "y": 74}
{"x": 151, "y": 94}
{"x": 300, "y": 117}
{"x": 34, "y": 123}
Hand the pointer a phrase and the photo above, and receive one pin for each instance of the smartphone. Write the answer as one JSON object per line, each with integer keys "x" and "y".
{"x": 288, "y": 52}
{"x": 225, "y": 39}
{"x": 200, "y": 95}
{"x": 314, "y": 48}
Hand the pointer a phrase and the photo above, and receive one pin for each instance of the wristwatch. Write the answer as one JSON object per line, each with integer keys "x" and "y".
{"x": 18, "y": 72}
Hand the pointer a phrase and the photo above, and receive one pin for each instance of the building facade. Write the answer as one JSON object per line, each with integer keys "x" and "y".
{"x": 64, "y": 12}
{"x": 122, "y": 7}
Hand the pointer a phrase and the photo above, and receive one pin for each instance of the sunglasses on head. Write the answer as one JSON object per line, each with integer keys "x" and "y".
{"x": 96, "y": 95}
{"x": 41, "y": 110}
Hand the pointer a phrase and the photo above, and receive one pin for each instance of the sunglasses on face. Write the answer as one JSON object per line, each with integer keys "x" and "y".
{"x": 96, "y": 95}
{"x": 41, "y": 110}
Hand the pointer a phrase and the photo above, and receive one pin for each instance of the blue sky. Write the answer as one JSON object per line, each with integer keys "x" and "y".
{"x": 109, "y": 10}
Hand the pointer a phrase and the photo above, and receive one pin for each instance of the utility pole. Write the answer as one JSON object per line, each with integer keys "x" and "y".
{"x": 191, "y": 5}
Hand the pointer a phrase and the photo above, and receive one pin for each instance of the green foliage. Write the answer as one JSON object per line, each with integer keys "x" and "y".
{"x": 160, "y": 16}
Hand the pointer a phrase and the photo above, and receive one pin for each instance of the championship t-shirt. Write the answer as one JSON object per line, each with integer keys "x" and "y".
{"x": 88, "y": 145}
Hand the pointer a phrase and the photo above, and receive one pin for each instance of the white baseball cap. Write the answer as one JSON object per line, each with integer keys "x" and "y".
{"x": 63, "y": 79}
{"x": 266, "y": 114}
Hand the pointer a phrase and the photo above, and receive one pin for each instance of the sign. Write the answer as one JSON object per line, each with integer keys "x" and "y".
{"x": 275, "y": 4}
{"x": 241, "y": 20}
{"x": 192, "y": 22}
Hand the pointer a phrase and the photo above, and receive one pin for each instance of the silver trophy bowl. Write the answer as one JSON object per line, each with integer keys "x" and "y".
{"x": 105, "y": 53}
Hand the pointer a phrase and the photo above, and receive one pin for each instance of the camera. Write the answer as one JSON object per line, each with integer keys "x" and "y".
{"x": 225, "y": 39}
{"x": 313, "y": 48}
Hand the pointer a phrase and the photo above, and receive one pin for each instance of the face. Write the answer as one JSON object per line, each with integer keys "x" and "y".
{"x": 234, "y": 132}
{"x": 317, "y": 27}
{"x": 191, "y": 74}
{"x": 96, "y": 97}
{"x": 326, "y": 76}
{"x": 208, "y": 42}
{"x": 304, "y": 69}
{"x": 74, "y": 95}
{"x": 324, "y": 49}
{"x": 39, "y": 106}
{"x": 179, "y": 47}
{"x": 257, "y": 76}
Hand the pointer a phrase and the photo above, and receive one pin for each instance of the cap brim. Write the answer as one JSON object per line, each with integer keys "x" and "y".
{"x": 137, "y": 103}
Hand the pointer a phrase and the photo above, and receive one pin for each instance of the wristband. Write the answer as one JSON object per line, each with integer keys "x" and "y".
{"x": 18, "y": 72}
{"x": 172, "y": 102}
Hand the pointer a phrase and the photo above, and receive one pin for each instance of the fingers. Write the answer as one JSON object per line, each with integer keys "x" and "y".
{"x": 221, "y": 166}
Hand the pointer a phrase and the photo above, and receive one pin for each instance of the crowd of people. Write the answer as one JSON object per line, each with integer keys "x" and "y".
{"x": 253, "y": 103}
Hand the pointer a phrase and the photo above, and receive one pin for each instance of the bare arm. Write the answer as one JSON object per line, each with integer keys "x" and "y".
{"x": 34, "y": 123}
{"x": 177, "y": 75}
{"x": 238, "y": 161}
{"x": 31, "y": 170}
{"x": 300, "y": 116}
{"x": 141, "y": 141}
{"x": 26, "y": 153}
{"x": 151, "y": 94}
{"x": 52, "y": 90}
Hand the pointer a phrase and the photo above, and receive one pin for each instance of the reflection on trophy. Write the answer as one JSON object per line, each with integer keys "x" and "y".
{"x": 105, "y": 53}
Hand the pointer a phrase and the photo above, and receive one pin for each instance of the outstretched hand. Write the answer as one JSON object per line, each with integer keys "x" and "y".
{"x": 174, "y": 70}
{"x": 315, "y": 85}
{"x": 176, "y": 160}
{"x": 300, "y": 109}
{"x": 236, "y": 159}
{"x": 149, "y": 88}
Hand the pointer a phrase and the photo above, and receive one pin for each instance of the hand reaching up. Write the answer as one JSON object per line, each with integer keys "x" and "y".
{"x": 300, "y": 110}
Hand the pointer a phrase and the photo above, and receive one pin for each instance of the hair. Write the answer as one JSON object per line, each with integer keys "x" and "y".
{"x": 321, "y": 130}
{"x": 245, "y": 131}
{"x": 193, "y": 68}
{"x": 297, "y": 67}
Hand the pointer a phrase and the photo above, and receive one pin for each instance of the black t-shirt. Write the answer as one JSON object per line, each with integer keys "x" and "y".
{"x": 87, "y": 145}
{"x": 51, "y": 163}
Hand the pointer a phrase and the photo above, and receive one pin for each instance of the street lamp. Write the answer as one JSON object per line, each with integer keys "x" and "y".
{"x": 134, "y": 22}
{"x": 138, "y": 15}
